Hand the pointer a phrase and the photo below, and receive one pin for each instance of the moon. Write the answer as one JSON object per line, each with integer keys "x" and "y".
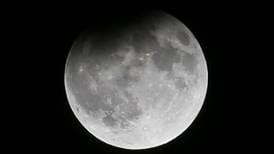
{"x": 138, "y": 85}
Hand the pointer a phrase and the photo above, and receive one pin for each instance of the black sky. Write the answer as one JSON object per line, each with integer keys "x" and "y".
{"x": 45, "y": 33}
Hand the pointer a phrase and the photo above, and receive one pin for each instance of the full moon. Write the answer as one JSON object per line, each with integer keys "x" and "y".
{"x": 137, "y": 85}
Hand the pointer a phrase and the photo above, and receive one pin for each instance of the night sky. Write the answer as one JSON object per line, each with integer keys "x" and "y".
{"x": 43, "y": 121}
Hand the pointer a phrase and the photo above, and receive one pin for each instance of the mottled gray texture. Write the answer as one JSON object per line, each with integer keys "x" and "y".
{"x": 131, "y": 108}
{"x": 183, "y": 37}
{"x": 189, "y": 62}
{"x": 143, "y": 41}
{"x": 164, "y": 57}
{"x": 126, "y": 78}
{"x": 180, "y": 83}
{"x": 89, "y": 101}
{"x": 94, "y": 102}
{"x": 109, "y": 121}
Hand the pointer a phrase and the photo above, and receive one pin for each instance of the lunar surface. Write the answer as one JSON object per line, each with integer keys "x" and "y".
{"x": 138, "y": 86}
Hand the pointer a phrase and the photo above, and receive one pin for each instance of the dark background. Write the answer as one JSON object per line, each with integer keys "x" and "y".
{"x": 42, "y": 35}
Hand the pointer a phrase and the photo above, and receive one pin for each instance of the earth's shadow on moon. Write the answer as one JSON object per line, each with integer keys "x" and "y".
{"x": 108, "y": 37}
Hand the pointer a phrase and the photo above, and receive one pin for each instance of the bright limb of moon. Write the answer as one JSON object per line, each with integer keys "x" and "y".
{"x": 140, "y": 88}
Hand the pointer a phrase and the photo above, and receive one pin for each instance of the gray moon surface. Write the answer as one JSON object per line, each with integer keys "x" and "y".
{"x": 139, "y": 86}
